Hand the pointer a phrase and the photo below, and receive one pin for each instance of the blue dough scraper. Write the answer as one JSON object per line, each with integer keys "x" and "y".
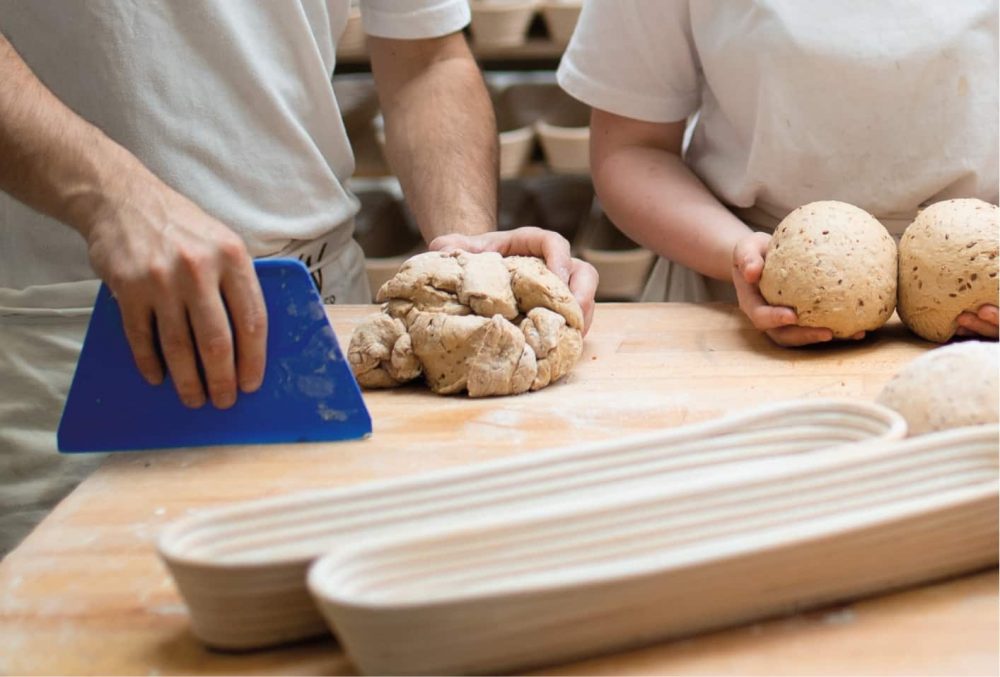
{"x": 308, "y": 394}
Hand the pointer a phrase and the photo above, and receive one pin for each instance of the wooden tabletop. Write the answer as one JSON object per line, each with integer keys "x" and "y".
{"x": 86, "y": 594}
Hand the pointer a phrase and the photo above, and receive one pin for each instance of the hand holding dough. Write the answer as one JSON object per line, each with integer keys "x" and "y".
{"x": 948, "y": 264}
{"x": 477, "y": 322}
{"x": 835, "y": 266}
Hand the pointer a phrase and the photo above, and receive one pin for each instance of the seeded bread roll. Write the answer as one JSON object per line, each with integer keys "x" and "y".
{"x": 835, "y": 266}
{"x": 947, "y": 387}
{"x": 947, "y": 265}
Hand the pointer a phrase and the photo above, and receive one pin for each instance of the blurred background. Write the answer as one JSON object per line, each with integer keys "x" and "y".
{"x": 544, "y": 141}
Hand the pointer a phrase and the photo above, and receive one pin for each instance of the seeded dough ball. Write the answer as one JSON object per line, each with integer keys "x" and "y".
{"x": 947, "y": 387}
{"x": 947, "y": 265}
{"x": 835, "y": 266}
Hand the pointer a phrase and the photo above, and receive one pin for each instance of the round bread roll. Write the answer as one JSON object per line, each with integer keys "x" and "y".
{"x": 835, "y": 266}
{"x": 947, "y": 387}
{"x": 947, "y": 265}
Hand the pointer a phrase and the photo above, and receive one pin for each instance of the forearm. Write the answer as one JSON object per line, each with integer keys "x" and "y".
{"x": 649, "y": 193}
{"x": 441, "y": 136}
{"x": 661, "y": 204}
{"x": 53, "y": 160}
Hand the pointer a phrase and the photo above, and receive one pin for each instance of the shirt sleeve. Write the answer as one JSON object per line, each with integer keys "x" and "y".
{"x": 413, "y": 19}
{"x": 634, "y": 58}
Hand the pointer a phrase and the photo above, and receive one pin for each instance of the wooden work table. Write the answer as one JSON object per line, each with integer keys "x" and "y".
{"x": 86, "y": 594}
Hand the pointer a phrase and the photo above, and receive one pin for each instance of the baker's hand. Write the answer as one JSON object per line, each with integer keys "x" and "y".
{"x": 530, "y": 241}
{"x": 982, "y": 323}
{"x": 175, "y": 271}
{"x": 778, "y": 322}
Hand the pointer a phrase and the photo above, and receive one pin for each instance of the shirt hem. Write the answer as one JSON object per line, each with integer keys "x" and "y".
{"x": 441, "y": 18}
{"x": 627, "y": 104}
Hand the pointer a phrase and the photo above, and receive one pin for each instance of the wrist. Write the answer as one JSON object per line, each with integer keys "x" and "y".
{"x": 115, "y": 186}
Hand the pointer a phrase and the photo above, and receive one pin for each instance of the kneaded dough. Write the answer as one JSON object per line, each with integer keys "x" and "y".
{"x": 381, "y": 353}
{"x": 948, "y": 264}
{"x": 480, "y": 323}
{"x": 835, "y": 266}
{"x": 947, "y": 387}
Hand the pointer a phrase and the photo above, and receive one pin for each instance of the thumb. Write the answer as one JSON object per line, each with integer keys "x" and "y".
{"x": 450, "y": 243}
{"x": 749, "y": 262}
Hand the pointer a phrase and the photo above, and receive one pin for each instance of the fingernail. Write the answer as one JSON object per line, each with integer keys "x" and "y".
{"x": 250, "y": 386}
{"x": 563, "y": 273}
{"x": 194, "y": 402}
{"x": 225, "y": 401}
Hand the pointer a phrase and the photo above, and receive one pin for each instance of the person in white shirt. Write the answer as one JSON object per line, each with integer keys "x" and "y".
{"x": 887, "y": 105}
{"x": 182, "y": 139}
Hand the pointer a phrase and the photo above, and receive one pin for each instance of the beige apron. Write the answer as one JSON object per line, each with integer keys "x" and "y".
{"x": 41, "y": 332}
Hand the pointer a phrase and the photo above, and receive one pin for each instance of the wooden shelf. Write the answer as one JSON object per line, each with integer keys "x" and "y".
{"x": 537, "y": 53}
{"x": 533, "y": 48}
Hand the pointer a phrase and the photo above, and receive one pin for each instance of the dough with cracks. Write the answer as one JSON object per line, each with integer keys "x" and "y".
{"x": 834, "y": 265}
{"x": 479, "y": 323}
{"x": 947, "y": 387}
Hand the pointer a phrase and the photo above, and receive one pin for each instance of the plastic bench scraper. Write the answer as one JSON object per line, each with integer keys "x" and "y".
{"x": 308, "y": 395}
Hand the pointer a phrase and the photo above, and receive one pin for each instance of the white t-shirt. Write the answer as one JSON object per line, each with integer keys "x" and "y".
{"x": 886, "y": 104}
{"x": 228, "y": 101}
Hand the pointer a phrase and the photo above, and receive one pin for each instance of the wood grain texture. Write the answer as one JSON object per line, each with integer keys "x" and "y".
{"x": 86, "y": 594}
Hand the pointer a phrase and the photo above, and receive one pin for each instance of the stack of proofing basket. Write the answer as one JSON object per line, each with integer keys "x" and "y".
{"x": 566, "y": 553}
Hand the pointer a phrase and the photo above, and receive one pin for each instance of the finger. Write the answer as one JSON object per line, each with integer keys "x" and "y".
{"x": 748, "y": 256}
{"x": 583, "y": 283}
{"x": 766, "y": 317}
{"x": 752, "y": 270}
{"x": 524, "y": 241}
{"x": 137, "y": 320}
{"x": 858, "y": 336}
{"x": 532, "y": 241}
{"x": 455, "y": 242}
{"x": 214, "y": 340}
{"x": 178, "y": 352}
{"x": 756, "y": 308}
{"x": 989, "y": 313}
{"x": 799, "y": 336}
{"x": 248, "y": 313}
{"x": 977, "y": 325}
{"x": 750, "y": 264}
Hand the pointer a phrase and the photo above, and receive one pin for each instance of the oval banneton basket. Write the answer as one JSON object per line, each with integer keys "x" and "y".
{"x": 666, "y": 561}
{"x": 242, "y": 569}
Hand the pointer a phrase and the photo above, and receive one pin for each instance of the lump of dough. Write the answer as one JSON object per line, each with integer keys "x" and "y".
{"x": 380, "y": 353}
{"x": 503, "y": 364}
{"x": 556, "y": 345}
{"x": 444, "y": 344}
{"x": 475, "y": 322}
{"x": 428, "y": 280}
{"x": 535, "y": 286}
{"x": 835, "y": 266}
{"x": 485, "y": 285}
{"x": 947, "y": 387}
{"x": 947, "y": 265}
